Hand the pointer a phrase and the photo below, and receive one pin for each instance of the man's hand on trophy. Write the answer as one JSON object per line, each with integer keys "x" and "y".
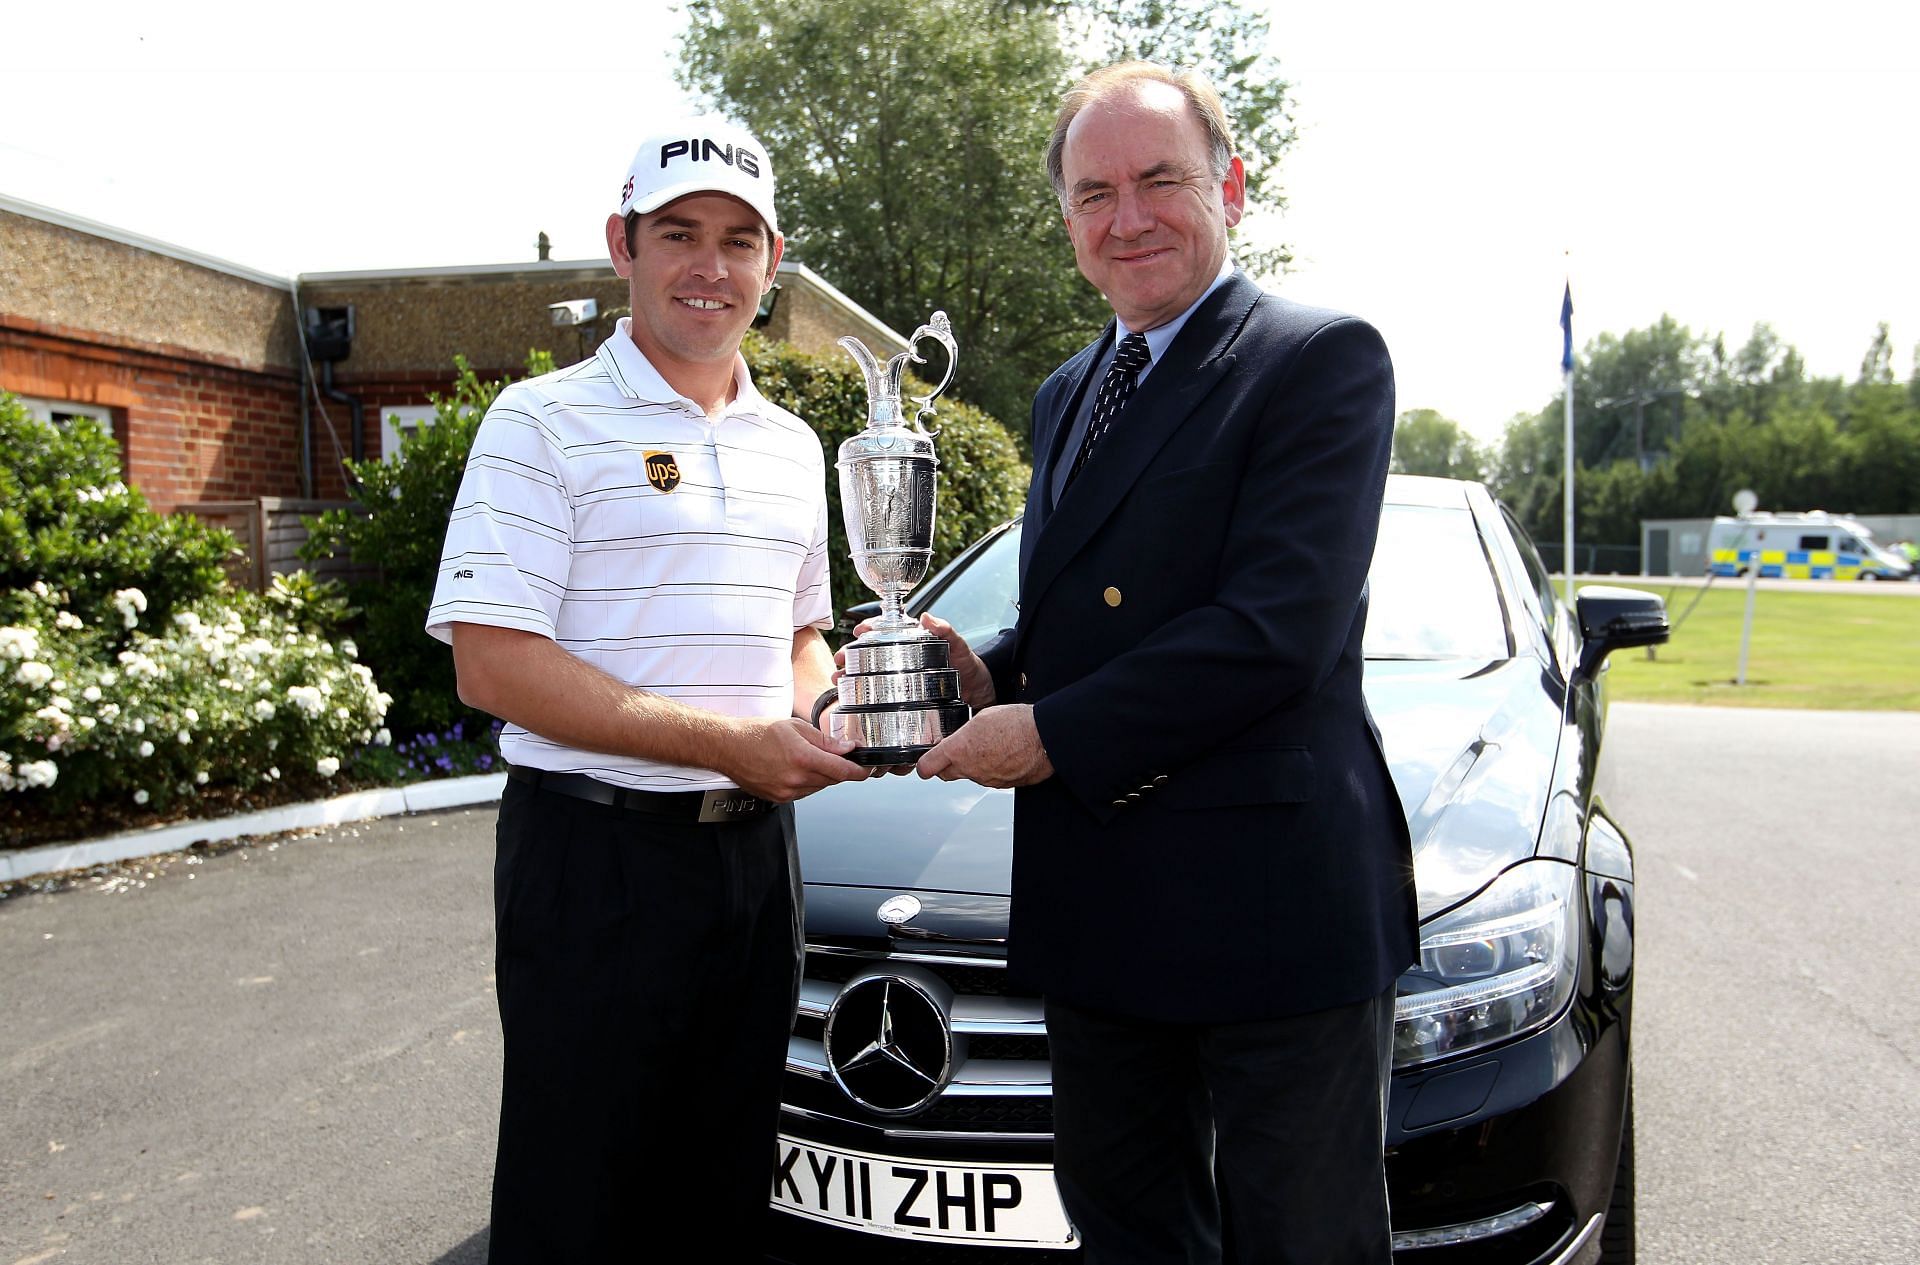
{"x": 787, "y": 759}
{"x": 976, "y": 683}
{"x": 998, "y": 747}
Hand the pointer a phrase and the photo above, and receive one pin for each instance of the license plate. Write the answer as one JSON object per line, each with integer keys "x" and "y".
{"x": 1013, "y": 1205}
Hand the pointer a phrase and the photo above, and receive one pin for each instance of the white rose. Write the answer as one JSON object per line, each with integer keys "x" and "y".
{"x": 200, "y": 778}
{"x": 33, "y": 674}
{"x": 146, "y": 748}
{"x": 38, "y": 773}
{"x": 184, "y": 737}
{"x": 91, "y": 693}
{"x": 263, "y": 710}
{"x": 141, "y": 797}
{"x": 384, "y": 738}
{"x": 326, "y": 766}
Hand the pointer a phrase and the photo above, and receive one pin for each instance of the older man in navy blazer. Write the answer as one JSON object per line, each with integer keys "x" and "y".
{"x": 1213, "y": 886}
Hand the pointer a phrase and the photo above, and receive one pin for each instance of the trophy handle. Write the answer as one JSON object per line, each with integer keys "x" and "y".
{"x": 828, "y": 697}
{"x": 941, "y": 331}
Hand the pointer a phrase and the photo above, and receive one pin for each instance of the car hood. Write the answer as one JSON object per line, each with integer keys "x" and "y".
{"x": 1471, "y": 747}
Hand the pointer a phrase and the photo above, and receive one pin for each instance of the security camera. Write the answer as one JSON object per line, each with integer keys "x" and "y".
{"x": 573, "y": 311}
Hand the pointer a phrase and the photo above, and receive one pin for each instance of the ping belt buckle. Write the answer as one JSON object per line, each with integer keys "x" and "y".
{"x": 729, "y": 805}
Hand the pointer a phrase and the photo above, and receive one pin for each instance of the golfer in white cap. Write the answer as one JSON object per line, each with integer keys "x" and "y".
{"x": 635, "y": 580}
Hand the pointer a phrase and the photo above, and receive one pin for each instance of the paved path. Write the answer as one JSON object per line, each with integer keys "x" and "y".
{"x": 1776, "y": 1012}
{"x": 286, "y": 1055}
{"x": 292, "y": 1054}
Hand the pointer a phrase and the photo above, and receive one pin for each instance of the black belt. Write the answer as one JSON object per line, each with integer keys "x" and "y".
{"x": 695, "y": 806}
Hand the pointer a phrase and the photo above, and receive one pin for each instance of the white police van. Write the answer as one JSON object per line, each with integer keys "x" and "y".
{"x": 1812, "y": 545}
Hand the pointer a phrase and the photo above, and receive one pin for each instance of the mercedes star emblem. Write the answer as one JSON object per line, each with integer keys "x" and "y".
{"x": 888, "y": 1044}
{"x": 898, "y": 909}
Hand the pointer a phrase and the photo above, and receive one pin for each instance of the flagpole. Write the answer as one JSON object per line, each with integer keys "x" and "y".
{"x": 1566, "y": 367}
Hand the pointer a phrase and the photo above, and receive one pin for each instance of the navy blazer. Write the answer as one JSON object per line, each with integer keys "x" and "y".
{"x": 1220, "y": 840}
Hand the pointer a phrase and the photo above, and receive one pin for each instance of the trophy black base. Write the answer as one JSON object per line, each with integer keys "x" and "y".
{"x": 880, "y": 757}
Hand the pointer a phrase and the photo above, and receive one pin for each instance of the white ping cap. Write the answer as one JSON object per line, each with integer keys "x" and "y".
{"x": 700, "y": 155}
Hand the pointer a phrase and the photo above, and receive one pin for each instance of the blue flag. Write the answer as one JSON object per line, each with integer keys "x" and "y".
{"x": 1566, "y": 327}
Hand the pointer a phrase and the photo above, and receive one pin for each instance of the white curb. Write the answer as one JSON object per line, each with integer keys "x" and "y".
{"x": 420, "y": 797}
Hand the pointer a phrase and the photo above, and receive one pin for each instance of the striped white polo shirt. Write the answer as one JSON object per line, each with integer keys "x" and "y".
{"x": 675, "y": 553}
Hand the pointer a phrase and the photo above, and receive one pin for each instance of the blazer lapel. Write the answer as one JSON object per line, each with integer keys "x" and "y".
{"x": 1071, "y": 385}
{"x": 1194, "y": 364}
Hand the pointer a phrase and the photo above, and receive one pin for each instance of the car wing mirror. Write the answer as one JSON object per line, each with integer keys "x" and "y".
{"x": 1614, "y": 619}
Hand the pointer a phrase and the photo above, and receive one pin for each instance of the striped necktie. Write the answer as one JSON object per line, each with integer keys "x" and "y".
{"x": 1128, "y": 360}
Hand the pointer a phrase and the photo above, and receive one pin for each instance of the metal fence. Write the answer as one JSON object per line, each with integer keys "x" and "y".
{"x": 1591, "y": 559}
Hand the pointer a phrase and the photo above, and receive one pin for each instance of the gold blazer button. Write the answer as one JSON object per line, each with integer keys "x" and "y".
{"x": 1112, "y": 595}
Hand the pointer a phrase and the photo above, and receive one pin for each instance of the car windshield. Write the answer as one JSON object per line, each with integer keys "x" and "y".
{"x": 1432, "y": 592}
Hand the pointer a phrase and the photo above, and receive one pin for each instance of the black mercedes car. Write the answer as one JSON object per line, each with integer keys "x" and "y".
{"x": 917, "y": 1118}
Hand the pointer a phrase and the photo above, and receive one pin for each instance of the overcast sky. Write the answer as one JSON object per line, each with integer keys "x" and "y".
{"x": 1723, "y": 162}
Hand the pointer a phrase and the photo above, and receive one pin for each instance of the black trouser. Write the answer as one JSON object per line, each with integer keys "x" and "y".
{"x": 647, "y": 972}
{"x": 1242, "y": 1142}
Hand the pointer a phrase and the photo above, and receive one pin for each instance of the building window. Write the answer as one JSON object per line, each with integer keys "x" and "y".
{"x": 398, "y": 423}
{"x": 62, "y": 412}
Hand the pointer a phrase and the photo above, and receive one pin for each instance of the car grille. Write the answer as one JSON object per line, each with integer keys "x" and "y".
{"x": 967, "y": 979}
{"x": 1000, "y": 1086}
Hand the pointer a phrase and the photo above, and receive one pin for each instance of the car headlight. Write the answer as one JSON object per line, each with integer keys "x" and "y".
{"x": 1500, "y": 965}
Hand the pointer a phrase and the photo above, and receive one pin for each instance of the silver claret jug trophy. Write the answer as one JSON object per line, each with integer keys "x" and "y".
{"x": 898, "y": 694}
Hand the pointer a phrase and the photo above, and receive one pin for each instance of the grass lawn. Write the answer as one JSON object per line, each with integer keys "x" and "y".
{"x": 1844, "y": 650}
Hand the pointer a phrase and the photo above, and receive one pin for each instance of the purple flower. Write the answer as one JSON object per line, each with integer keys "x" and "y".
{"x": 445, "y": 764}
{"x": 485, "y": 762}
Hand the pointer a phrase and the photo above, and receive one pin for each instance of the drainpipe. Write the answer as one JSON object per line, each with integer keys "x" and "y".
{"x": 359, "y": 443}
{"x": 306, "y": 432}
{"x": 305, "y": 367}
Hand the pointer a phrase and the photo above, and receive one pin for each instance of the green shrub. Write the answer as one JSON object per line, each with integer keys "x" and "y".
{"x": 227, "y": 692}
{"x": 68, "y": 521}
{"x": 399, "y": 524}
{"x": 317, "y": 605}
{"x": 983, "y": 481}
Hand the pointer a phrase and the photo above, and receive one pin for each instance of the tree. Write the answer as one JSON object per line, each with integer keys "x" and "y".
{"x": 1630, "y": 392}
{"x": 908, "y": 138}
{"x": 1424, "y": 442}
{"x": 1877, "y": 365}
{"x": 1751, "y": 419}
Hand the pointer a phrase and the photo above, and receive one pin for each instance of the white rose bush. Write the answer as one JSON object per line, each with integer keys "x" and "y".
{"x": 222, "y": 693}
{"x": 135, "y": 682}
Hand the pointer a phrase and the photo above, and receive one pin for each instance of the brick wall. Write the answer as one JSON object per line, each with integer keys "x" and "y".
{"x": 191, "y": 428}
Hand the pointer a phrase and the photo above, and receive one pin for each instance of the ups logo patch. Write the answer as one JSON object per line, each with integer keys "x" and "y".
{"x": 663, "y": 471}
